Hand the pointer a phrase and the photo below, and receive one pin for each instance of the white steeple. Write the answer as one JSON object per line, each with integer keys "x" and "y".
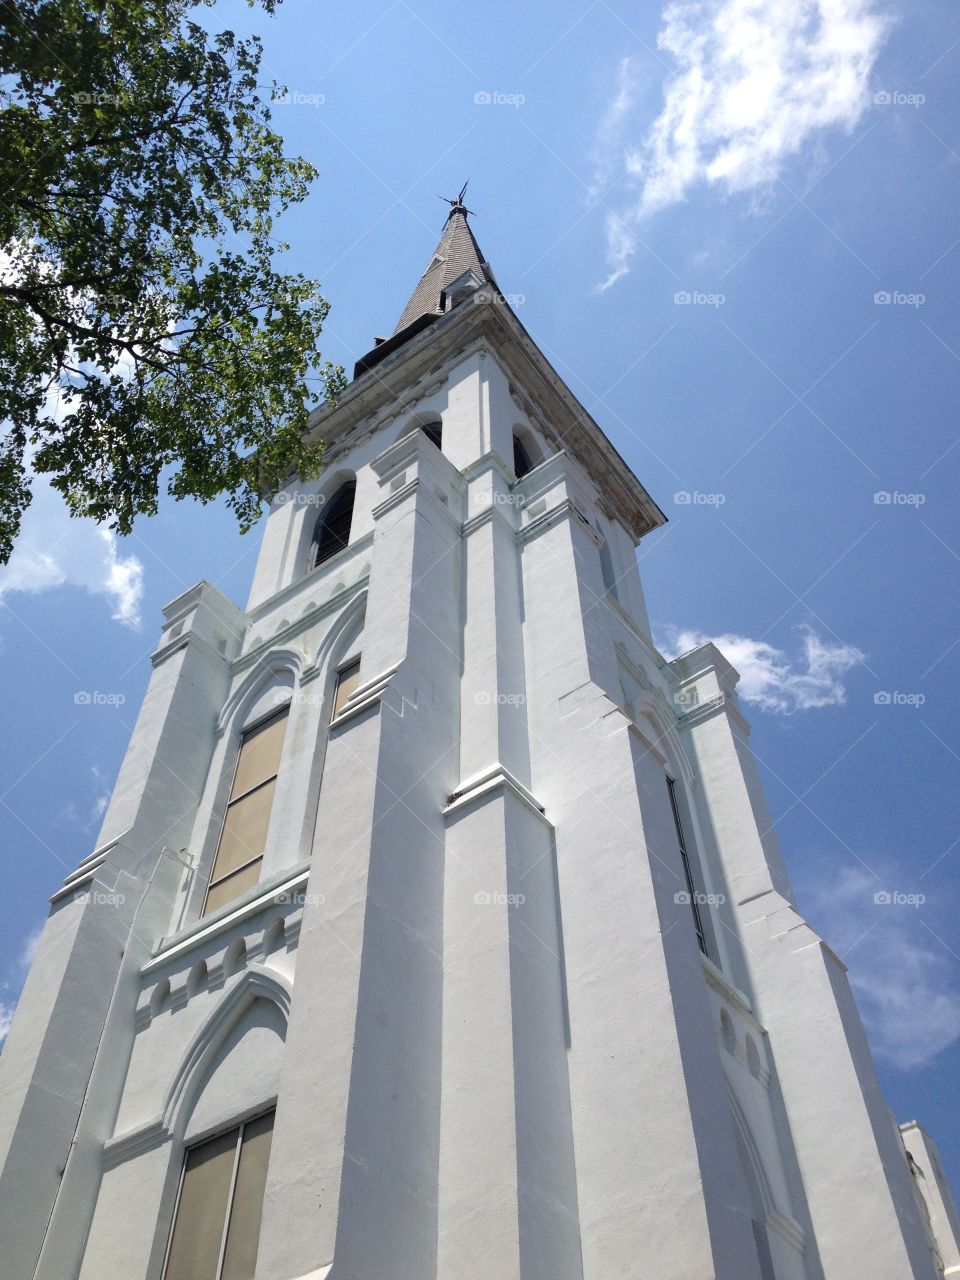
{"x": 437, "y": 928}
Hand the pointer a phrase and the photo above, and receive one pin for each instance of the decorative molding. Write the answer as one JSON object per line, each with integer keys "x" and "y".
{"x": 204, "y": 930}
{"x": 322, "y": 610}
{"x": 395, "y": 499}
{"x": 565, "y": 509}
{"x": 364, "y": 696}
{"x": 287, "y": 595}
{"x": 352, "y": 615}
{"x": 135, "y": 1142}
{"x": 787, "y": 1228}
{"x": 78, "y": 880}
{"x": 635, "y": 729}
{"x": 87, "y": 867}
{"x": 496, "y": 778}
{"x": 274, "y": 663}
{"x": 709, "y": 710}
{"x": 733, "y": 995}
{"x": 255, "y": 983}
{"x": 184, "y": 640}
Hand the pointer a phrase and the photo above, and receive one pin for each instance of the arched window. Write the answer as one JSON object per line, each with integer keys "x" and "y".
{"x": 434, "y": 432}
{"x": 522, "y": 462}
{"x": 332, "y": 530}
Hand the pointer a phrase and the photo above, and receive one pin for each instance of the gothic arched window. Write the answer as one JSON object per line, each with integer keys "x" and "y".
{"x": 332, "y": 530}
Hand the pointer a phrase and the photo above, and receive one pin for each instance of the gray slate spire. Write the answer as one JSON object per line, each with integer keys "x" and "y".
{"x": 456, "y": 253}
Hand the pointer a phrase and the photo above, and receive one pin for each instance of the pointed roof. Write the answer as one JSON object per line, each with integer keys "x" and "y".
{"x": 456, "y": 253}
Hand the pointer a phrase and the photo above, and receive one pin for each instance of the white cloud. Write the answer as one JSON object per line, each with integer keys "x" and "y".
{"x": 906, "y": 981}
{"x": 54, "y": 550}
{"x": 8, "y": 1007}
{"x": 770, "y": 678}
{"x": 756, "y": 82}
{"x": 29, "y": 948}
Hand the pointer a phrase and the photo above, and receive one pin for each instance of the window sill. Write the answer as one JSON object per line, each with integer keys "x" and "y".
{"x": 262, "y": 895}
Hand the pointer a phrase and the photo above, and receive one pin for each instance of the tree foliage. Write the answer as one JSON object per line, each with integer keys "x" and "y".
{"x": 139, "y": 182}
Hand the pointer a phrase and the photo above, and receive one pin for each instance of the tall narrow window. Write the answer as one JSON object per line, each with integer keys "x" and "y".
{"x": 434, "y": 433}
{"x": 692, "y": 892}
{"x": 236, "y": 867}
{"x": 332, "y": 530}
{"x": 348, "y": 678}
{"x": 607, "y": 569}
{"x": 216, "y": 1226}
{"x": 522, "y": 462}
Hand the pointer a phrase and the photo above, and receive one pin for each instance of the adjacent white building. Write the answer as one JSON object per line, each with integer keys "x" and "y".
{"x": 437, "y": 929}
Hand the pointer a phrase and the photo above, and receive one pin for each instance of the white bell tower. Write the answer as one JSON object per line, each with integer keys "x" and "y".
{"x": 437, "y": 929}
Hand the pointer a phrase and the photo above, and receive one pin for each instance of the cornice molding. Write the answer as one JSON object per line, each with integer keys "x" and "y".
{"x": 486, "y": 319}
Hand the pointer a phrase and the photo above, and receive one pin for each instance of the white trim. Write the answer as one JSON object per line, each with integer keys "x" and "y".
{"x": 492, "y": 779}
{"x": 210, "y": 927}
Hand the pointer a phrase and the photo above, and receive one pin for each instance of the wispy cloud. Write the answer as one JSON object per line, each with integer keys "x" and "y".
{"x": 906, "y": 980}
{"x": 8, "y": 1006}
{"x": 756, "y": 82}
{"x": 772, "y": 679}
{"x": 54, "y": 550}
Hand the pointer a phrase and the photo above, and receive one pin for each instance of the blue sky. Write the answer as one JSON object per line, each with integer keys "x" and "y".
{"x": 738, "y": 242}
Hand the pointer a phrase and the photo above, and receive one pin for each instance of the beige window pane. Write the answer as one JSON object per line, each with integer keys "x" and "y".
{"x": 231, "y": 887}
{"x": 202, "y": 1211}
{"x": 244, "y": 834}
{"x": 259, "y": 755}
{"x": 347, "y": 680}
{"x": 243, "y": 1233}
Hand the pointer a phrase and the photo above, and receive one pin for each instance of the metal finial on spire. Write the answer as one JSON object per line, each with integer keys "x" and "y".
{"x": 457, "y": 202}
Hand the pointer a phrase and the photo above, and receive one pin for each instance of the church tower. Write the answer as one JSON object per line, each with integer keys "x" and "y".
{"x": 437, "y": 929}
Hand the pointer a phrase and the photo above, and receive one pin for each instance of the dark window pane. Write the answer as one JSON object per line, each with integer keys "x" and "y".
{"x": 332, "y": 531}
{"x": 687, "y": 873}
{"x": 434, "y": 432}
{"x": 521, "y": 459}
